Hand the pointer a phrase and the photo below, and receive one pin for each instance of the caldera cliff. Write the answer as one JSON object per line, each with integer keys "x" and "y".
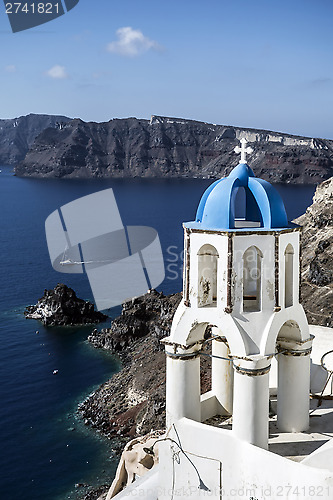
{"x": 172, "y": 147}
{"x": 17, "y": 135}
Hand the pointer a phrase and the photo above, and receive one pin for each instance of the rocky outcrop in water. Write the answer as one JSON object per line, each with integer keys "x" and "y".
{"x": 61, "y": 307}
{"x": 17, "y": 135}
{"x": 172, "y": 147}
{"x": 317, "y": 256}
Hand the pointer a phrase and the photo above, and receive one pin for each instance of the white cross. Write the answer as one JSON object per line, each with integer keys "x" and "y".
{"x": 243, "y": 150}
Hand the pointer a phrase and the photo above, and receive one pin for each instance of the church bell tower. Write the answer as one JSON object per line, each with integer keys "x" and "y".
{"x": 241, "y": 279}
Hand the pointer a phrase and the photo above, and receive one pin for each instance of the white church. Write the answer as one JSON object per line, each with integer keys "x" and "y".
{"x": 264, "y": 430}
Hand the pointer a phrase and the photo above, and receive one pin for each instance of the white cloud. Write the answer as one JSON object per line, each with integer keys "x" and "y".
{"x": 131, "y": 42}
{"x": 10, "y": 68}
{"x": 57, "y": 72}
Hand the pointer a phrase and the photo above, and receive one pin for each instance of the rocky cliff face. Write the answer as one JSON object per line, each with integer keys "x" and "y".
{"x": 172, "y": 147}
{"x": 317, "y": 256}
{"x": 18, "y": 135}
{"x": 133, "y": 401}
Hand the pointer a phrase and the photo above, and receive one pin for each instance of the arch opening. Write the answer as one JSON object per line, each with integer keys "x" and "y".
{"x": 288, "y": 276}
{"x": 207, "y": 276}
{"x": 290, "y": 330}
{"x": 245, "y": 209}
{"x": 252, "y": 271}
{"x": 240, "y": 203}
{"x": 293, "y": 379}
{"x": 216, "y": 375}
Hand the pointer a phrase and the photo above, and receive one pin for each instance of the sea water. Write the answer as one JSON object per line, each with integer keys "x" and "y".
{"x": 45, "y": 447}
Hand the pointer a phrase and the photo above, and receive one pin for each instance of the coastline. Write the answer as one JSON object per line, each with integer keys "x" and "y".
{"x": 132, "y": 401}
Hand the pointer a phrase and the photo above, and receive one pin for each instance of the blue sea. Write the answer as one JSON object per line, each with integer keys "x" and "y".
{"x": 45, "y": 447}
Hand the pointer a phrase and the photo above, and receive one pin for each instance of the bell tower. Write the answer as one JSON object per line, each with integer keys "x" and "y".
{"x": 241, "y": 279}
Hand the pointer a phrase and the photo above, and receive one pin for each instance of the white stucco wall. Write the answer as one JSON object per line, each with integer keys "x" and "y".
{"x": 247, "y": 332}
{"x": 285, "y": 239}
{"x": 240, "y": 469}
{"x": 322, "y": 458}
{"x": 252, "y": 324}
{"x": 322, "y": 343}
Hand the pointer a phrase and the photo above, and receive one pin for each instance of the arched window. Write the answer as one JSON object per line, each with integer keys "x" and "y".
{"x": 252, "y": 279}
{"x": 207, "y": 276}
{"x": 288, "y": 276}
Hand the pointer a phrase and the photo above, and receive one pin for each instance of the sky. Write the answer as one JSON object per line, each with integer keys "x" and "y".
{"x": 257, "y": 64}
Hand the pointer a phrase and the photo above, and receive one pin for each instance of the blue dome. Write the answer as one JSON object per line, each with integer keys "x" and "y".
{"x": 264, "y": 207}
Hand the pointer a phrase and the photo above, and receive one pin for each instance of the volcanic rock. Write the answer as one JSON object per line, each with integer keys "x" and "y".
{"x": 18, "y": 134}
{"x": 172, "y": 147}
{"x": 317, "y": 256}
{"x": 61, "y": 306}
{"x": 133, "y": 402}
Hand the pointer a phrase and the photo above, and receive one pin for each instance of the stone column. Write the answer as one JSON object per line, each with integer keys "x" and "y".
{"x": 222, "y": 375}
{"x": 251, "y": 399}
{"x": 182, "y": 383}
{"x": 293, "y": 401}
